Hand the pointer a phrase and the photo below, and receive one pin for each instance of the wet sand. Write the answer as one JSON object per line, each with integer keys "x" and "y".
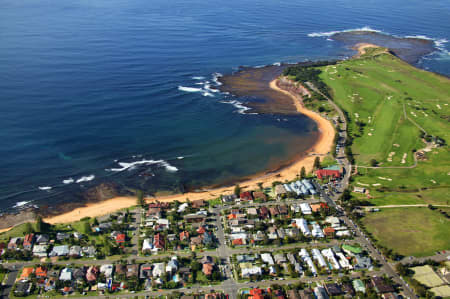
{"x": 322, "y": 147}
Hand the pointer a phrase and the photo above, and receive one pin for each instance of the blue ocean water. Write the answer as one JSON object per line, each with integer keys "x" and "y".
{"x": 89, "y": 86}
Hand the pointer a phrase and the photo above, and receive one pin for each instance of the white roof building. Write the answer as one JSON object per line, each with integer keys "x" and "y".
{"x": 303, "y": 226}
{"x": 329, "y": 254}
{"x": 182, "y": 207}
{"x": 66, "y": 274}
{"x": 267, "y": 258}
{"x": 147, "y": 244}
{"x": 107, "y": 270}
{"x": 319, "y": 258}
{"x": 40, "y": 250}
{"x": 306, "y": 209}
{"x": 247, "y": 270}
{"x": 158, "y": 269}
{"x": 317, "y": 231}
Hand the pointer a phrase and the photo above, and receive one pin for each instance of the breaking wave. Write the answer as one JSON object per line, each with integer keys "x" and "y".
{"x": 21, "y": 204}
{"x": 130, "y": 165}
{"x": 330, "y": 33}
{"x": 242, "y": 109}
{"x": 68, "y": 181}
{"x": 45, "y": 188}
{"x": 85, "y": 178}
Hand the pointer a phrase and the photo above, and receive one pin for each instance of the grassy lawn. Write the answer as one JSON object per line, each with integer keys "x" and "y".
{"x": 410, "y": 231}
{"x": 374, "y": 89}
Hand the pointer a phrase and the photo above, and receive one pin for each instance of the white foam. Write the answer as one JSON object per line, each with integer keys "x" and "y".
{"x": 277, "y": 63}
{"x": 207, "y": 87}
{"x": 331, "y": 33}
{"x": 242, "y": 109}
{"x": 130, "y": 165}
{"x": 20, "y": 204}
{"x": 189, "y": 89}
{"x": 68, "y": 181}
{"x": 85, "y": 179}
{"x": 198, "y": 77}
{"x": 180, "y": 158}
{"x": 216, "y": 77}
{"x": 45, "y": 188}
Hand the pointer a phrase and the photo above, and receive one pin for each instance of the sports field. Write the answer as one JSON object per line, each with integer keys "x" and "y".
{"x": 410, "y": 231}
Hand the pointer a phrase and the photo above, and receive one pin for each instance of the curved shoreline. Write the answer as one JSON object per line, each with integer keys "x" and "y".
{"x": 322, "y": 147}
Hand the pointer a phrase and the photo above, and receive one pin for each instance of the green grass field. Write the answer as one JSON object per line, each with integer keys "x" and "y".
{"x": 389, "y": 105}
{"x": 410, "y": 231}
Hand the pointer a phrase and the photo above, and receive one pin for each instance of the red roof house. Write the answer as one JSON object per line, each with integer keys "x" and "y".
{"x": 120, "y": 238}
{"x": 247, "y": 195}
{"x": 324, "y": 173}
{"x": 158, "y": 241}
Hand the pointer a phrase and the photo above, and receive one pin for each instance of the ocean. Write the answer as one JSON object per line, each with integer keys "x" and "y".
{"x": 126, "y": 92}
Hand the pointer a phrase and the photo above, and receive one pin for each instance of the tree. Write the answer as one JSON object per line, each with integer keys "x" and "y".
{"x": 303, "y": 172}
{"x": 237, "y": 190}
{"x": 140, "y": 198}
{"x": 260, "y": 185}
{"x": 28, "y": 229}
{"x": 373, "y": 162}
{"x": 86, "y": 228}
{"x": 40, "y": 225}
{"x": 317, "y": 163}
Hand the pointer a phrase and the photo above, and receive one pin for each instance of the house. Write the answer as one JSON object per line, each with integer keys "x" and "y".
{"x": 121, "y": 270}
{"x": 329, "y": 232}
{"x": 61, "y": 250}
{"x": 333, "y": 289}
{"x": 91, "y": 274}
{"x": 228, "y": 198}
{"x": 280, "y": 258}
{"x": 145, "y": 271}
{"x": 272, "y": 233}
{"x": 320, "y": 293}
{"x": 75, "y": 251}
{"x": 259, "y": 236}
{"x": 194, "y": 218}
{"x": 66, "y": 274}
{"x": 42, "y": 239}
{"x": 89, "y": 251}
{"x": 280, "y": 191}
{"x": 362, "y": 262}
{"x": 380, "y": 285}
{"x": 41, "y": 272}
{"x": 263, "y": 213}
{"x": 252, "y": 211}
{"x": 147, "y": 245}
{"x": 274, "y": 211}
{"x": 26, "y": 272}
{"x": 333, "y": 172}
{"x": 107, "y": 270}
{"x": 154, "y": 213}
{"x": 195, "y": 241}
{"x": 182, "y": 207}
{"x": 60, "y": 236}
{"x": 293, "y": 294}
{"x": 158, "y": 269}
{"x": 184, "y": 235}
{"x": 207, "y": 269}
{"x": 351, "y": 250}
{"x": 207, "y": 238}
{"x": 23, "y": 288}
{"x": 120, "y": 238}
{"x": 14, "y": 243}
{"x": 306, "y": 294}
{"x": 359, "y": 286}
{"x": 172, "y": 265}
{"x": 246, "y": 196}
{"x": 158, "y": 241}
{"x": 40, "y": 250}
{"x": 132, "y": 270}
{"x": 79, "y": 274}
{"x": 348, "y": 289}
{"x": 283, "y": 210}
{"x": 247, "y": 269}
{"x": 306, "y": 209}
{"x": 259, "y": 195}
{"x": 28, "y": 241}
{"x": 197, "y": 204}
{"x": 315, "y": 207}
{"x": 267, "y": 258}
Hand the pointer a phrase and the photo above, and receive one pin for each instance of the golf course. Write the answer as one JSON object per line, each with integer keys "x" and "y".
{"x": 398, "y": 127}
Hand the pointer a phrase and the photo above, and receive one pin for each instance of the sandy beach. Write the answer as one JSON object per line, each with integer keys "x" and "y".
{"x": 322, "y": 147}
